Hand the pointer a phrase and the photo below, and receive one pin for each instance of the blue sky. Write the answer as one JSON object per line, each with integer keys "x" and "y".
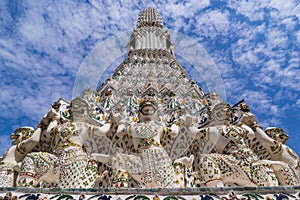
{"x": 254, "y": 44}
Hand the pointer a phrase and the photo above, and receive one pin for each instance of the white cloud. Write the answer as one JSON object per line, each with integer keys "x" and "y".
{"x": 34, "y": 29}
{"x": 286, "y": 8}
{"x": 213, "y": 22}
{"x": 187, "y": 9}
{"x": 255, "y": 10}
{"x": 251, "y": 9}
{"x": 298, "y": 102}
{"x": 276, "y": 38}
{"x": 297, "y": 34}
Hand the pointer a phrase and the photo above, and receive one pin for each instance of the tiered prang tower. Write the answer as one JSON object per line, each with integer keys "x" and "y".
{"x": 149, "y": 126}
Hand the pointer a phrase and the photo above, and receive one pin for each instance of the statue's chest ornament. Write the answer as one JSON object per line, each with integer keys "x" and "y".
{"x": 65, "y": 133}
{"x": 146, "y": 134}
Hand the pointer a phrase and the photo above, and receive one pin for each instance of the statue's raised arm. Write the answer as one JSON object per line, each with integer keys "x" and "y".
{"x": 269, "y": 145}
{"x": 24, "y": 139}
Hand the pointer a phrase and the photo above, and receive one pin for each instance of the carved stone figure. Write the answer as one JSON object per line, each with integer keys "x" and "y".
{"x": 269, "y": 146}
{"x": 69, "y": 166}
{"x": 234, "y": 162}
{"x": 24, "y": 139}
{"x": 152, "y": 167}
{"x": 58, "y": 113}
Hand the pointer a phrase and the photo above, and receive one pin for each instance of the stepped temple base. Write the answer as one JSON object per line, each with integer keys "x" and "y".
{"x": 205, "y": 193}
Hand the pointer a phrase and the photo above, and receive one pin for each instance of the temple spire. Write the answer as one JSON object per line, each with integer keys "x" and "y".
{"x": 149, "y": 33}
{"x": 149, "y": 17}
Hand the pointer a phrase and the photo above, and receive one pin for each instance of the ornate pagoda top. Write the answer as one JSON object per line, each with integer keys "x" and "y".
{"x": 149, "y": 33}
{"x": 149, "y": 17}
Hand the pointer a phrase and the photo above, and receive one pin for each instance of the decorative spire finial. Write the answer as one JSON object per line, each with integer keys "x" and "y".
{"x": 149, "y": 17}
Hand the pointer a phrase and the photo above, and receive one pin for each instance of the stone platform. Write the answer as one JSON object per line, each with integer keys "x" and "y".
{"x": 247, "y": 193}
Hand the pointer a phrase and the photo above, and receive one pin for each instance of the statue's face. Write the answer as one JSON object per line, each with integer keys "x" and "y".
{"x": 148, "y": 110}
{"x": 79, "y": 109}
{"x": 221, "y": 113}
{"x": 16, "y": 137}
{"x": 21, "y": 134}
{"x": 277, "y": 134}
{"x": 56, "y": 106}
{"x": 244, "y": 107}
{"x": 248, "y": 119}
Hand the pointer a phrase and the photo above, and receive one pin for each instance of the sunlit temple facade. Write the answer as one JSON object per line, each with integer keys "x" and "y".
{"x": 149, "y": 132}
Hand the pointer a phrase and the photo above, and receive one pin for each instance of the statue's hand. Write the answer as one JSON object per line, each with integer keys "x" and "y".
{"x": 187, "y": 120}
{"x": 186, "y": 161}
{"x": 249, "y": 131}
{"x": 173, "y": 130}
{"x": 101, "y": 157}
{"x": 17, "y": 167}
{"x": 121, "y": 128}
{"x": 102, "y": 130}
{"x": 116, "y": 119}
